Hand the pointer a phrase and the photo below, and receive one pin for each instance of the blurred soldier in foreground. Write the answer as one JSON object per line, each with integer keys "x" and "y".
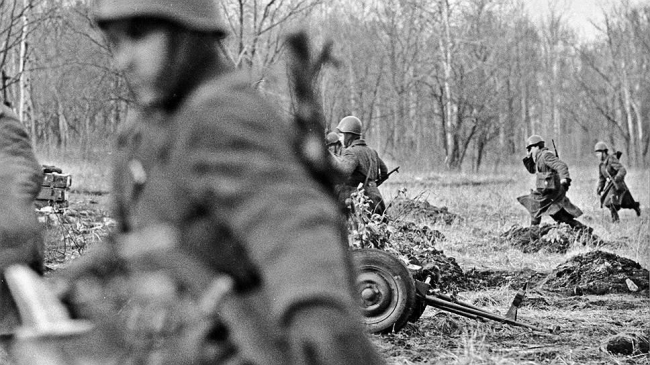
{"x": 552, "y": 183}
{"x": 359, "y": 164}
{"x": 613, "y": 192}
{"x": 333, "y": 144}
{"x": 20, "y": 235}
{"x": 208, "y": 184}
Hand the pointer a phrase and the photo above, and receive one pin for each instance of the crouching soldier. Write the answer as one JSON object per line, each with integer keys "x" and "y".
{"x": 613, "y": 192}
{"x": 552, "y": 183}
{"x": 359, "y": 164}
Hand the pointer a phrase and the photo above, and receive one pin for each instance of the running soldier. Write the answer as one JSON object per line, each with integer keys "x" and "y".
{"x": 206, "y": 161}
{"x": 359, "y": 164}
{"x": 614, "y": 193}
{"x": 552, "y": 183}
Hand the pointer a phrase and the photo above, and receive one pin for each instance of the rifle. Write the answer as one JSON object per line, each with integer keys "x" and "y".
{"x": 555, "y": 148}
{"x": 385, "y": 177}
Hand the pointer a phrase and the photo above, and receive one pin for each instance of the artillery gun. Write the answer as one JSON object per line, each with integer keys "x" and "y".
{"x": 390, "y": 297}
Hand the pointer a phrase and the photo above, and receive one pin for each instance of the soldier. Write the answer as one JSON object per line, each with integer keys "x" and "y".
{"x": 333, "y": 144}
{"x": 20, "y": 235}
{"x": 208, "y": 159}
{"x": 611, "y": 183}
{"x": 359, "y": 164}
{"x": 553, "y": 181}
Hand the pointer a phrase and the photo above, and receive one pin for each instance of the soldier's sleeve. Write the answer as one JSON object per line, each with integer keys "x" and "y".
{"x": 529, "y": 163}
{"x": 346, "y": 163}
{"x": 20, "y": 183}
{"x": 556, "y": 164}
{"x": 236, "y": 161}
{"x": 21, "y": 174}
{"x": 618, "y": 167}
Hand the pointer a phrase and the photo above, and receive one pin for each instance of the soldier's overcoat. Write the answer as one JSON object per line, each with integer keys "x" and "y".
{"x": 20, "y": 182}
{"x": 221, "y": 169}
{"x": 549, "y": 197}
{"x": 615, "y": 195}
{"x": 360, "y": 164}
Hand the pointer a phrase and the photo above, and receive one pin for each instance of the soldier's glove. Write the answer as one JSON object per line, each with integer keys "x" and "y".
{"x": 565, "y": 184}
{"x": 321, "y": 335}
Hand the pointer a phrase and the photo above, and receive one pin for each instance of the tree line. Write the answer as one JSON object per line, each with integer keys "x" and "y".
{"x": 437, "y": 84}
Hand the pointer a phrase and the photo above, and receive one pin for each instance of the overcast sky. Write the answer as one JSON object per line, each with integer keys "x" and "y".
{"x": 579, "y": 13}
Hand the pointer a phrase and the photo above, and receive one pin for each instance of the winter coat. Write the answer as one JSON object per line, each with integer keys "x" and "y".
{"x": 549, "y": 197}
{"x": 360, "y": 164}
{"x": 20, "y": 182}
{"x": 616, "y": 195}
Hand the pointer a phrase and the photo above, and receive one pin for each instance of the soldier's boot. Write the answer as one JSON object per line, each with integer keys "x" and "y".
{"x": 615, "y": 217}
{"x": 637, "y": 208}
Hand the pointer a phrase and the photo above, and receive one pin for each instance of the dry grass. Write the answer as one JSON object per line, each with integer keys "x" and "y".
{"x": 488, "y": 207}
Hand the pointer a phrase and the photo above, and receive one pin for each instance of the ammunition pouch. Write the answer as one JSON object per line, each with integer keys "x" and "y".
{"x": 547, "y": 182}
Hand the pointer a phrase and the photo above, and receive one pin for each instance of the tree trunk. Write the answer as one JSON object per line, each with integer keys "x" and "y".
{"x": 445, "y": 50}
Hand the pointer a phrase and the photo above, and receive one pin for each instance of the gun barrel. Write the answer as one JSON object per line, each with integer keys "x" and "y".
{"x": 466, "y": 310}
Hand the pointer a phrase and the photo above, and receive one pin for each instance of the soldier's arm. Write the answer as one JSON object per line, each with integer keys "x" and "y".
{"x": 529, "y": 163}
{"x": 618, "y": 167}
{"x": 556, "y": 164}
{"x": 346, "y": 163}
{"x": 21, "y": 174}
{"x": 20, "y": 182}
{"x": 239, "y": 166}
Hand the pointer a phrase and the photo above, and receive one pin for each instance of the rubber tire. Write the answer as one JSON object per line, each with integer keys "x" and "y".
{"x": 380, "y": 269}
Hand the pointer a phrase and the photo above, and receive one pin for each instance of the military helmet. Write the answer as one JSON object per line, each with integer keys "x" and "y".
{"x": 331, "y": 138}
{"x": 533, "y": 140}
{"x": 601, "y": 146}
{"x": 199, "y": 15}
{"x": 350, "y": 124}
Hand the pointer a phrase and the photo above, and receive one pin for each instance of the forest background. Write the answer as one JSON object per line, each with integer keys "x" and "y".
{"x": 455, "y": 84}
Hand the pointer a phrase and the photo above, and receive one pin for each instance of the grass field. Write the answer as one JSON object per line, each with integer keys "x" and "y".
{"x": 488, "y": 206}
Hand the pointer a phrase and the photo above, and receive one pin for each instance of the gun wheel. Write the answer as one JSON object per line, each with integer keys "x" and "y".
{"x": 385, "y": 288}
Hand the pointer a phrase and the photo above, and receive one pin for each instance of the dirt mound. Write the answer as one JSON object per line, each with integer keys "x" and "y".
{"x": 414, "y": 244}
{"x": 597, "y": 272}
{"x": 419, "y": 209}
{"x": 481, "y": 279}
{"x": 447, "y": 274}
{"x": 552, "y": 238}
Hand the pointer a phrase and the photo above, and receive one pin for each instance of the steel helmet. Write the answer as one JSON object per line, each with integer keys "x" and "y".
{"x": 350, "y": 124}
{"x": 533, "y": 140}
{"x": 199, "y": 15}
{"x": 331, "y": 138}
{"x": 601, "y": 146}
